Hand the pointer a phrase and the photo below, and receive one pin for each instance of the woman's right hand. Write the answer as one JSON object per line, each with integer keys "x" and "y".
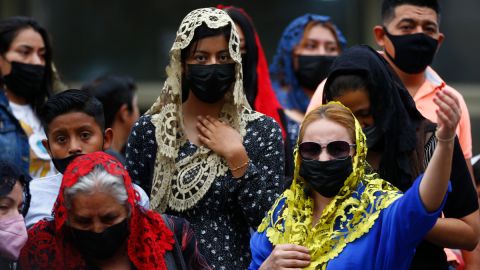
{"x": 434, "y": 184}
{"x": 448, "y": 114}
{"x": 287, "y": 256}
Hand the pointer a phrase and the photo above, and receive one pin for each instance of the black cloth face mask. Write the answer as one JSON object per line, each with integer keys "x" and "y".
{"x": 102, "y": 245}
{"x": 313, "y": 69}
{"x": 326, "y": 177}
{"x": 373, "y": 135}
{"x": 62, "y": 163}
{"x": 413, "y": 53}
{"x": 25, "y": 80}
{"x": 209, "y": 83}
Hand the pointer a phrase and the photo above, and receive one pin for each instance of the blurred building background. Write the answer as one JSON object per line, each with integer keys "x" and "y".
{"x": 133, "y": 37}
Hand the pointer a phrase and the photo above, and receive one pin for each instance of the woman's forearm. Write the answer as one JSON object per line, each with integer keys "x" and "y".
{"x": 456, "y": 233}
{"x": 471, "y": 258}
{"x": 435, "y": 181}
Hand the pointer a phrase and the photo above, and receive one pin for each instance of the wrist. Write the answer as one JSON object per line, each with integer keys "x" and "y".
{"x": 234, "y": 169}
{"x": 237, "y": 159}
{"x": 445, "y": 140}
{"x": 235, "y": 153}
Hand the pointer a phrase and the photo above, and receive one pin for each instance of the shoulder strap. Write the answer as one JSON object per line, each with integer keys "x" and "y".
{"x": 174, "y": 258}
{"x": 430, "y": 143}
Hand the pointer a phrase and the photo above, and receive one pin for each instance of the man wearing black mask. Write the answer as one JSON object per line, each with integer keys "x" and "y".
{"x": 410, "y": 38}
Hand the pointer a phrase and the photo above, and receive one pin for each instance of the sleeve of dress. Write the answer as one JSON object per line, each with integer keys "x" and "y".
{"x": 463, "y": 199}
{"x": 186, "y": 237}
{"x": 44, "y": 251}
{"x": 404, "y": 224}
{"x": 143, "y": 201}
{"x": 140, "y": 153}
{"x": 260, "y": 245}
{"x": 260, "y": 185}
{"x": 261, "y": 248}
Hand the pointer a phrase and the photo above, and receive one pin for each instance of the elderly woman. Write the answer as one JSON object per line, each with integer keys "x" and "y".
{"x": 337, "y": 216}
{"x": 98, "y": 225}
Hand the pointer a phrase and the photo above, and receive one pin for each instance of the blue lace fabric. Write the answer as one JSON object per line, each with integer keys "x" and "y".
{"x": 286, "y": 87}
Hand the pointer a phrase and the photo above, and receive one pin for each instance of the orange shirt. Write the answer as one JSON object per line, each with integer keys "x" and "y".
{"x": 425, "y": 105}
{"x": 424, "y": 102}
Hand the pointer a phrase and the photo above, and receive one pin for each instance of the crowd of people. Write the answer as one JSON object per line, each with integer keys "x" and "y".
{"x": 332, "y": 157}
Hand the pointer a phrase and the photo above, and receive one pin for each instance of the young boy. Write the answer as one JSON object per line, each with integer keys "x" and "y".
{"x": 74, "y": 124}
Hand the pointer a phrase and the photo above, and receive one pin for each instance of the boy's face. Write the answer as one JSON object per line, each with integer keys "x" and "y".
{"x": 75, "y": 133}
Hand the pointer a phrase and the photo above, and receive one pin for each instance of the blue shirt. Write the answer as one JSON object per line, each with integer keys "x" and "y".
{"x": 390, "y": 243}
{"x": 13, "y": 140}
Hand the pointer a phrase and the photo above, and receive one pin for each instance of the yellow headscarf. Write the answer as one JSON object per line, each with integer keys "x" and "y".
{"x": 350, "y": 214}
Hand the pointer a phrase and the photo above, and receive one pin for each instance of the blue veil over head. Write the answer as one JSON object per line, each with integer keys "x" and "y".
{"x": 288, "y": 91}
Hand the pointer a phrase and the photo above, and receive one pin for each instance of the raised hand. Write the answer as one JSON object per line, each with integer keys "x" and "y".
{"x": 435, "y": 180}
{"x": 448, "y": 114}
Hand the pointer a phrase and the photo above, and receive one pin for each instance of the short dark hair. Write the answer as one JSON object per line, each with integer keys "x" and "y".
{"x": 9, "y": 30}
{"x": 72, "y": 100}
{"x": 342, "y": 84}
{"x": 113, "y": 91}
{"x": 9, "y": 175}
{"x": 388, "y": 7}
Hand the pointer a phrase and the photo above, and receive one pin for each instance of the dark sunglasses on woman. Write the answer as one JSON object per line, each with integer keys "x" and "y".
{"x": 336, "y": 149}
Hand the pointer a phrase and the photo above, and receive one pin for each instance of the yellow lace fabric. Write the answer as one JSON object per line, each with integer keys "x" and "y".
{"x": 180, "y": 184}
{"x": 346, "y": 218}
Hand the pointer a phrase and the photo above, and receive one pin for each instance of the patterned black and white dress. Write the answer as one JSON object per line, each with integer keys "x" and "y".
{"x": 222, "y": 218}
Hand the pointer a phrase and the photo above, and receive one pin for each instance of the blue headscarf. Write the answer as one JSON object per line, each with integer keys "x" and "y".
{"x": 281, "y": 70}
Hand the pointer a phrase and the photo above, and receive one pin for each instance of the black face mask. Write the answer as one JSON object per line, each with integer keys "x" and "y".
{"x": 209, "y": 83}
{"x": 102, "y": 245}
{"x": 373, "y": 135}
{"x": 62, "y": 163}
{"x": 326, "y": 177}
{"x": 312, "y": 70}
{"x": 244, "y": 63}
{"x": 413, "y": 53}
{"x": 185, "y": 90}
{"x": 25, "y": 80}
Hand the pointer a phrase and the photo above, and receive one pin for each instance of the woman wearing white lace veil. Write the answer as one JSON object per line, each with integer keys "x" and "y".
{"x": 200, "y": 150}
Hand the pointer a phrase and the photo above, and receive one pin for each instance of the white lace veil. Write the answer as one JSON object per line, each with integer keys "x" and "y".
{"x": 180, "y": 183}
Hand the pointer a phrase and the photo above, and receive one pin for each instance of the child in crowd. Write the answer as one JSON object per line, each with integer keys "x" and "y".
{"x": 74, "y": 125}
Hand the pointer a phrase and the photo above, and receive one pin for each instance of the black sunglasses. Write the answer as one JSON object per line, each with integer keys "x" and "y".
{"x": 336, "y": 149}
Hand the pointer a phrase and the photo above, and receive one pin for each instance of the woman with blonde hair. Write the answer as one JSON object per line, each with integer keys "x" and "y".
{"x": 336, "y": 215}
